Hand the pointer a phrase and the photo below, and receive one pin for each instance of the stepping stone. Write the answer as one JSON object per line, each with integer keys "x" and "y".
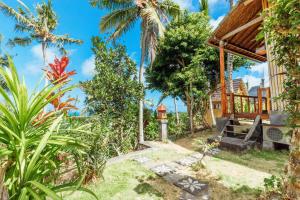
{"x": 198, "y": 156}
{"x": 214, "y": 151}
{"x": 193, "y": 186}
{"x": 173, "y": 177}
{"x": 163, "y": 170}
{"x": 141, "y": 160}
{"x": 188, "y": 161}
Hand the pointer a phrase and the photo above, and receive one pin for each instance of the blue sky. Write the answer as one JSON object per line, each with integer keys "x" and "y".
{"x": 81, "y": 21}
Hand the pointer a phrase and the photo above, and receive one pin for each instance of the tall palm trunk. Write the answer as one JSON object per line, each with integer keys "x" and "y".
{"x": 176, "y": 111}
{"x": 230, "y": 62}
{"x": 44, "y": 52}
{"x": 141, "y": 102}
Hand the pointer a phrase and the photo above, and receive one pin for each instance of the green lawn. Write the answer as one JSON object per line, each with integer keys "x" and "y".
{"x": 128, "y": 181}
{"x": 272, "y": 162}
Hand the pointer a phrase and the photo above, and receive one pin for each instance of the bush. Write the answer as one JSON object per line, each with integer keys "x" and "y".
{"x": 33, "y": 141}
{"x": 174, "y": 130}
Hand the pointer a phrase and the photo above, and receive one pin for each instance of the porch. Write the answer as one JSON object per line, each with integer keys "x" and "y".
{"x": 249, "y": 107}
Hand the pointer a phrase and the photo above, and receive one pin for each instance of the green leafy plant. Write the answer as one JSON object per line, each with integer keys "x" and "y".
{"x": 281, "y": 26}
{"x": 204, "y": 148}
{"x": 113, "y": 94}
{"x": 31, "y": 142}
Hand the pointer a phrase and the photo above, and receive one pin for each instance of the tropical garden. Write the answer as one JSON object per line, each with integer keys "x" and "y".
{"x": 52, "y": 146}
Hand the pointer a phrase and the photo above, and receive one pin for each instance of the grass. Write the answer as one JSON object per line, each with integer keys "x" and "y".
{"x": 128, "y": 181}
{"x": 272, "y": 162}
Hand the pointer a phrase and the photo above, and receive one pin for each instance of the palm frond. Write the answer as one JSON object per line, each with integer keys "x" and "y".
{"x": 150, "y": 16}
{"x": 204, "y": 7}
{"x": 169, "y": 9}
{"x": 22, "y": 28}
{"x": 112, "y": 4}
{"x": 16, "y": 15}
{"x": 124, "y": 27}
{"x": 118, "y": 17}
{"x": 65, "y": 39}
{"x": 25, "y": 41}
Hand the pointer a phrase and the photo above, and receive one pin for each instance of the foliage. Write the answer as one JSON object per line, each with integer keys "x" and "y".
{"x": 57, "y": 74}
{"x": 281, "y": 26}
{"x": 185, "y": 63}
{"x": 31, "y": 142}
{"x": 175, "y": 130}
{"x": 152, "y": 128}
{"x": 152, "y": 15}
{"x": 205, "y": 148}
{"x": 113, "y": 93}
{"x": 38, "y": 28}
{"x": 97, "y": 141}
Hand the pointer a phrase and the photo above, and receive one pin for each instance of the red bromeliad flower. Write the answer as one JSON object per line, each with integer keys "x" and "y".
{"x": 57, "y": 73}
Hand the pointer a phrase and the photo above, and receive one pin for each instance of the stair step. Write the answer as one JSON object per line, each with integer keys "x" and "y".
{"x": 240, "y": 125}
{"x": 238, "y": 133}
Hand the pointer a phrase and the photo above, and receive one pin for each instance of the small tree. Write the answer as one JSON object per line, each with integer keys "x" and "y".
{"x": 282, "y": 29}
{"x": 114, "y": 92}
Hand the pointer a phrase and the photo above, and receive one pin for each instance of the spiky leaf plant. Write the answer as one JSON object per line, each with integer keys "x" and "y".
{"x": 31, "y": 142}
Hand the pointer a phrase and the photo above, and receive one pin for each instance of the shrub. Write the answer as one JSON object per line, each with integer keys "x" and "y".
{"x": 31, "y": 142}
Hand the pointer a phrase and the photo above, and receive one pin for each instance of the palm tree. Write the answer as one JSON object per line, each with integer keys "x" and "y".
{"x": 230, "y": 62}
{"x": 38, "y": 28}
{"x": 153, "y": 15}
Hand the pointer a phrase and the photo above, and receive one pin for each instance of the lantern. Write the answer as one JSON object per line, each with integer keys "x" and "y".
{"x": 161, "y": 112}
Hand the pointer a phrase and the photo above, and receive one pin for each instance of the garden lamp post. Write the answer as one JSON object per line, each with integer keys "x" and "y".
{"x": 163, "y": 122}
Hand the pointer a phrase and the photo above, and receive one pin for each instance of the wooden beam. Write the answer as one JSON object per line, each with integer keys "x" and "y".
{"x": 242, "y": 52}
{"x": 222, "y": 78}
{"x": 241, "y": 28}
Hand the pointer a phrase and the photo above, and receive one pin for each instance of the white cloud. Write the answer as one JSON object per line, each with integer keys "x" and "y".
{"x": 261, "y": 68}
{"x": 215, "y": 22}
{"x": 37, "y": 62}
{"x": 88, "y": 66}
{"x": 185, "y": 4}
{"x": 257, "y": 72}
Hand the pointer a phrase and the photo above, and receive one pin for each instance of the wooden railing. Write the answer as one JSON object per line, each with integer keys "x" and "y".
{"x": 244, "y": 106}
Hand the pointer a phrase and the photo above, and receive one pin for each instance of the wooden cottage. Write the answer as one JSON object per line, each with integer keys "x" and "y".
{"x": 238, "y": 34}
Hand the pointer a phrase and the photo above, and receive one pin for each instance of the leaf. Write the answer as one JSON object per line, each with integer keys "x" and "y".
{"x": 45, "y": 189}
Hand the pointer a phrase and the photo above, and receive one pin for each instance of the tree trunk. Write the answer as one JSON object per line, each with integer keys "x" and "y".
{"x": 212, "y": 111}
{"x": 176, "y": 111}
{"x": 230, "y": 62}
{"x": 141, "y": 102}
{"x": 230, "y": 71}
{"x": 189, "y": 105}
{"x": 192, "y": 107}
{"x": 293, "y": 168}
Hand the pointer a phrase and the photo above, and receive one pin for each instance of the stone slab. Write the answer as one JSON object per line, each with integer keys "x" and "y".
{"x": 187, "y": 161}
{"x": 193, "y": 186}
{"x": 163, "y": 170}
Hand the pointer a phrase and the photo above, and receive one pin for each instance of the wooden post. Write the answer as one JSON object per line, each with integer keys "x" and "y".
{"x": 259, "y": 93}
{"x": 222, "y": 78}
{"x": 241, "y": 100}
{"x": 268, "y": 94}
{"x": 248, "y": 102}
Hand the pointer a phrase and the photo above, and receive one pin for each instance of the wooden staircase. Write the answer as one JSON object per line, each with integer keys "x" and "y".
{"x": 240, "y": 135}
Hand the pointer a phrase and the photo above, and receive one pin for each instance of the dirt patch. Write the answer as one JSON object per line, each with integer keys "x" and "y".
{"x": 219, "y": 191}
{"x": 167, "y": 190}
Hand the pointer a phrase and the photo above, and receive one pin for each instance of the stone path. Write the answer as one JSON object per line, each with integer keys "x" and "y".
{"x": 172, "y": 162}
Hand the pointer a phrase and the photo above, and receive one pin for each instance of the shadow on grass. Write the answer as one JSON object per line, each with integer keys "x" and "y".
{"x": 146, "y": 188}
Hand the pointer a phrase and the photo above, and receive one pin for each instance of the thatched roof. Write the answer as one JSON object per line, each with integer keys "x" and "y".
{"x": 239, "y": 30}
{"x": 237, "y": 85}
